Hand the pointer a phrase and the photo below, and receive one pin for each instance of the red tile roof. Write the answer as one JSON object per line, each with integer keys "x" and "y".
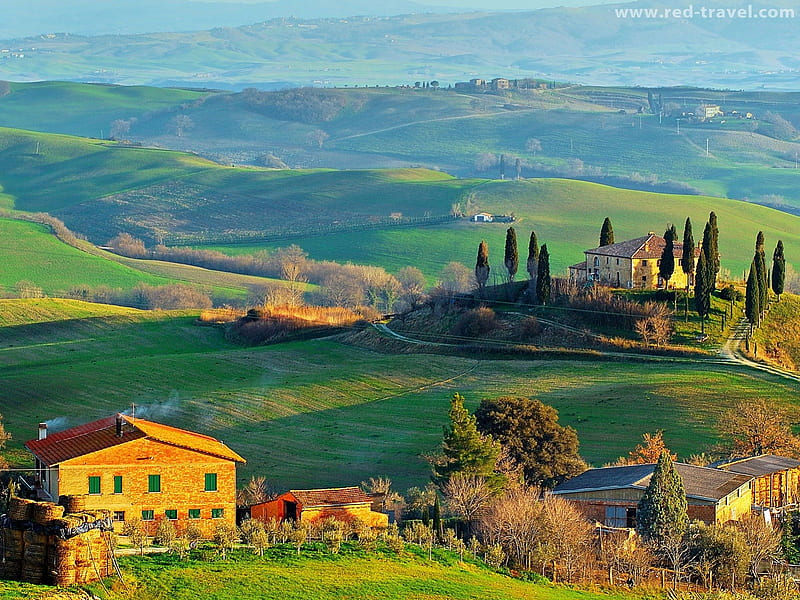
{"x": 648, "y": 246}
{"x": 102, "y": 434}
{"x": 331, "y": 496}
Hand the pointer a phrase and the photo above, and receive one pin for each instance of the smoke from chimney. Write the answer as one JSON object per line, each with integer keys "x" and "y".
{"x": 42, "y": 431}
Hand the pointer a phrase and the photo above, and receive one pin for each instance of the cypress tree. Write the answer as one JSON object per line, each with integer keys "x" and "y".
{"x": 482, "y": 265}
{"x": 714, "y": 254}
{"x": 687, "y": 258}
{"x": 533, "y": 257}
{"x": 437, "y": 518}
{"x": 667, "y": 265}
{"x": 778, "y": 270}
{"x": 752, "y": 296}
{"x": 761, "y": 274}
{"x": 606, "y": 233}
{"x": 702, "y": 289}
{"x": 543, "y": 276}
{"x": 502, "y": 166}
{"x": 661, "y": 514}
{"x": 511, "y": 259}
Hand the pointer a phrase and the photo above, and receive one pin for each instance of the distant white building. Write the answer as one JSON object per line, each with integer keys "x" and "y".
{"x": 482, "y": 218}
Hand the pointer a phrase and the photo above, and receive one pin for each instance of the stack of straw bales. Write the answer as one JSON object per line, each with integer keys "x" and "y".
{"x": 43, "y": 542}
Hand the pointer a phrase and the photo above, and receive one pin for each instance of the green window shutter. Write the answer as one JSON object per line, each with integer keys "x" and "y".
{"x": 194, "y": 513}
{"x": 148, "y": 515}
{"x": 211, "y": 482}
{"x": 94, "y": 485}
{"x": 154, "y": 483}
{"x": 171, "y": 514}
{"x": 217, "y": 513}
{"x": 117, "y": 484}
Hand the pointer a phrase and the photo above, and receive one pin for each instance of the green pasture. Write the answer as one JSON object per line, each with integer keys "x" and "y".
{"x": 351, "y": 574}
{"x": 582, "y": 131}
{"x": 84, "y": 109}
{"x": 320, "y": 413}
{"x": 31, "y": 253}
{"x": 566, "y": 216}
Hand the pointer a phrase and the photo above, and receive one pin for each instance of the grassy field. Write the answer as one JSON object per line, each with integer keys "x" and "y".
{"x": 85, "y": 109}
{"x": 583, "y": 131}
{"x": 778, "y": 338}
{"x": 323, "y": 576}
{"x": 566, "y": 215}
{"x": 30, "y": 253}
{"x": 319, "y": 413}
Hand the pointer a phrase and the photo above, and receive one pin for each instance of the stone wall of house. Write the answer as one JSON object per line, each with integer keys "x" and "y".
{"x": 182, "y": 478}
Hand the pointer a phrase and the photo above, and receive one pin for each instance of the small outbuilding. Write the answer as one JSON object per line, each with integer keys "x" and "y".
{"x": 482, "y": 217}
{"x": 307, "y": 506}
{"x": 776, "y": 479}
{"x": 611, "y": 495}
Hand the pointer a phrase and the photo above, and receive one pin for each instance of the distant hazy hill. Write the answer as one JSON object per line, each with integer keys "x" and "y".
{"x": 595, "y": 44}
{"x": 92, "y": 17}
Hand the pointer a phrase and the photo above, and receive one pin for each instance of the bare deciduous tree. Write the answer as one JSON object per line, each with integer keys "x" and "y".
{"x": 466, "y": 495}
{"x": 754, "y": 427}
{"x": 514, "y": 522}
{"x": 566, "y": 537}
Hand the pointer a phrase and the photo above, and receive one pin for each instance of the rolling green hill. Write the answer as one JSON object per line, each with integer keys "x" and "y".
{"x": 584, "y": 132}
{"x": 85, "y": 110}
{"x": 320, "y": 413}
{"x": 34, "y": 258}
{"x": 101, "y": 188}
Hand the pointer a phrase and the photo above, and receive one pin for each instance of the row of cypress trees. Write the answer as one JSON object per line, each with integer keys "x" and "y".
{"x": 538, "y": 264}
{"x": 760, "y": 280}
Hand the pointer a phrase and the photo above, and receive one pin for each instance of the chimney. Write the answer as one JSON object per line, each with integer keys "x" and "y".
{"x": 42, "y": 431}
{"x": 119, "y": 425}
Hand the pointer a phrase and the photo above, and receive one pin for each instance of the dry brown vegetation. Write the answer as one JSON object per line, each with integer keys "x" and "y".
{"x": 277, "y": 323}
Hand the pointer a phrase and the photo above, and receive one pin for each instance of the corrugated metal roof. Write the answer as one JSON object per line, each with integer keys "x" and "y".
{"x": 102, "y": 434}
{"x": 698, "y": 482}
{"x": 331, "y": 496}
{"x": 758, "y": 466}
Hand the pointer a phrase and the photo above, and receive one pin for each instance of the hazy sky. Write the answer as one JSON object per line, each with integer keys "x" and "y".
{"x": 476, "y": 4}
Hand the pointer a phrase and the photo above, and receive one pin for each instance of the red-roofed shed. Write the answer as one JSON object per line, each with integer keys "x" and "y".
{"x": 344, "y": 504}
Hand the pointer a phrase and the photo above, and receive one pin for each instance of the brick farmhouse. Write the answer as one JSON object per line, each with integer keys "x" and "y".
{"x": 138, "y": 468}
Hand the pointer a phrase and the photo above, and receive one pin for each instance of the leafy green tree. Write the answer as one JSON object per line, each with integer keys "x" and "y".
{"x": 543, "y": 277}
{"x": 666, "y": 266}
{"x": 530, "y": 433}
{"x": 511, "y": 259}
{"x": 482, "y": 265}
{"x": 687, "y": 258}
{"x": 752, "y": 297}
{"x": 778, "y": 270}
{"x": 702, "y": 289}
{"x": 464, "y": 449}
{"x": 533, "y": 257}
{"x": 606, "y": 233}
{"x": 661, "y": 514}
